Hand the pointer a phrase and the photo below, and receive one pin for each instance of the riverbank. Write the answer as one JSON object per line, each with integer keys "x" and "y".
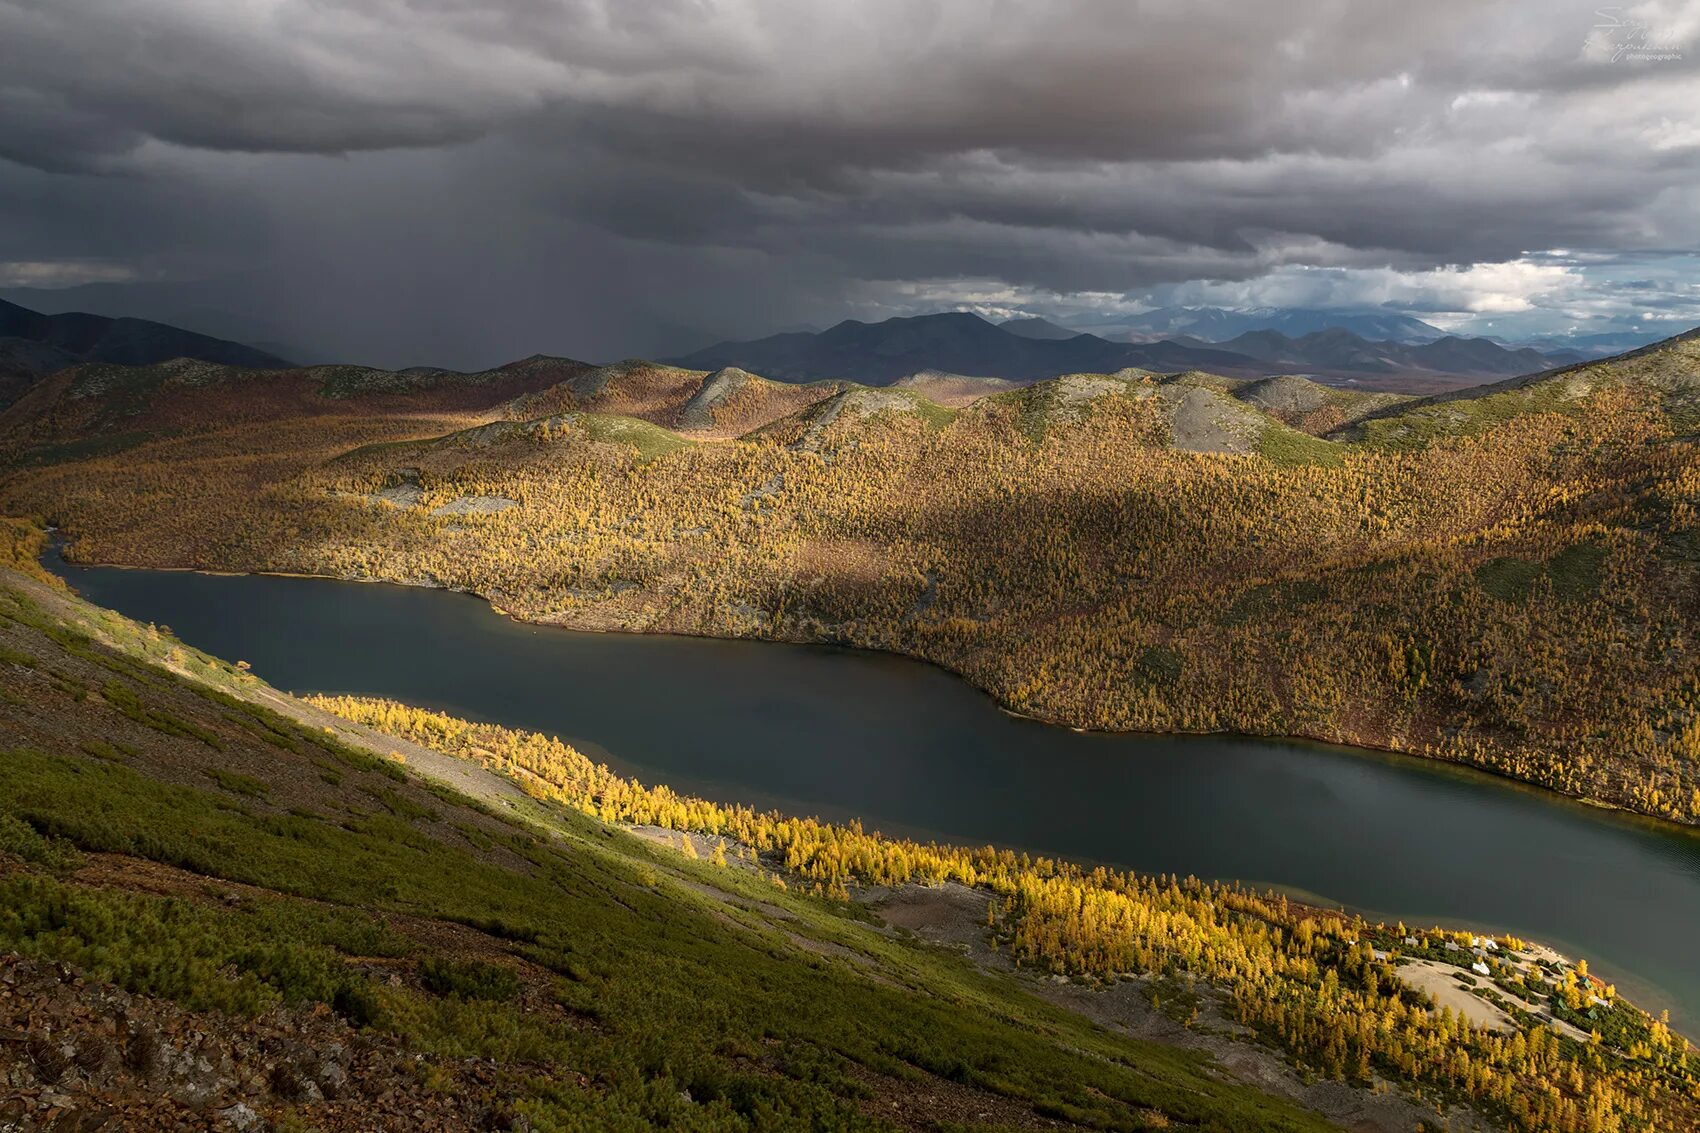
{"x": 912, "y": 750}
{"x": 219, "y": 912}
{"x": 57, "y": 549}
{"x": 1027, "y": 927}
{"x": 980, "y": 903}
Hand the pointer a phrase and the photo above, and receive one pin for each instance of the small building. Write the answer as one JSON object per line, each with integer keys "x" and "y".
{"x": 1410, "y": 942}
{"x": 1480, "y": 968}
{"x": 1451, "y": 947}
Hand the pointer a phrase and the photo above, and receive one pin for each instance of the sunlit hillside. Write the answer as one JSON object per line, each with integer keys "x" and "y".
{"x": 1505, "y": 579}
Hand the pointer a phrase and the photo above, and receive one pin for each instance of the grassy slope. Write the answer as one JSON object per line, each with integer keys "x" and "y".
{"x": 119, "y": 741}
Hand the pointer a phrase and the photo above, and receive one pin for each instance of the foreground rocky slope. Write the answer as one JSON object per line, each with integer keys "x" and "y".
{"x": 224, "y": 908}
{"x": 227, "y": 908}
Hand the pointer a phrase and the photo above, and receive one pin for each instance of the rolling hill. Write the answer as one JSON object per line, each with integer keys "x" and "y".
{"x": 90, "y": 407}
{"x": 1437, "y": 575}
{"x": 33, "y": 344}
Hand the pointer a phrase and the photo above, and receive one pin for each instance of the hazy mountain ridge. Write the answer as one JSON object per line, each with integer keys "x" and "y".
{"x": 1031, "y": 349}
{"x": 1341, "y": 350}
{"x": 1218, "y": 324}
{"x": 958, "y": 343}
{"x": 33, "y": 344}
{"x": 132, "y": 342}
{"x": 1600, "y": 345}
{"x": 1038, "y": 328}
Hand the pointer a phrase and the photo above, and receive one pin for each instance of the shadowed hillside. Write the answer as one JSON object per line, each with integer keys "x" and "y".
{"x": 33, "y": 344}
{"x": 1506, "y": 578}
{"x": 92, "y": 408}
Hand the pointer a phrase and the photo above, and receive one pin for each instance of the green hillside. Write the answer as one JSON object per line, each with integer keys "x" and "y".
{"x": 316, "y": 921}
{"x": 261, "y": 882}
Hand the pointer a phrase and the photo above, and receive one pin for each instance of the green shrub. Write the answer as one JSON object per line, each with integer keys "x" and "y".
{"x": 100, "y": 749}
{"x": 239, "y": 784}
{"x": 469, "y": 979}
{"x": 124, "y": 698}
{"x": 242, "y": 962}
{"x": 1575, "y": 571}
{"x": 1508, "y": 579}
{"x": 20, "y": 838}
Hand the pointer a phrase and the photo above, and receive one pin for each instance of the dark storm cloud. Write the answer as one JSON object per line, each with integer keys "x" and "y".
{"x": 479, "y": 177}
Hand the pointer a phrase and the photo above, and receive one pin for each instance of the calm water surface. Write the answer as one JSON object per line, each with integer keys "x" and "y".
{"x": 910, "y": 749}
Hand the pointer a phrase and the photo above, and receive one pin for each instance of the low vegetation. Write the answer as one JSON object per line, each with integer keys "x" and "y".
{"x": 1508, "y": 579}
{"x": 620, "y": 985}
{"x": 526, "y": 960}
{"x": 1323, "y": 988}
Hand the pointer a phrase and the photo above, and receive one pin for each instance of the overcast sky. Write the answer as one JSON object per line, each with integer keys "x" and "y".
{"x": 467, "y": 181}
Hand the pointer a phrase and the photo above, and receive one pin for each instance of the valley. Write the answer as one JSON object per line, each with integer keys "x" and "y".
{"x": 908, "y": 749}
{"x": 1504, "y": 579}
{"x": 750, "y": 567}
{"x": 392, "y": 915}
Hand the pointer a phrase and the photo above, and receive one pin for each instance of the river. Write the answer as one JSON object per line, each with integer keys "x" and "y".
{"x": 912, "y": 750}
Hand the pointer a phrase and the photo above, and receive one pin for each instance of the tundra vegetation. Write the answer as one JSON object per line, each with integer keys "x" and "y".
{"x": 172, "y": 827}
{"x": 1505, "y": 578}
{"x": 462, "y": 900}
{"x": 202, "y": 842}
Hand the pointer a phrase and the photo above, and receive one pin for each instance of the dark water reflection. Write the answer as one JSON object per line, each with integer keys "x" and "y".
{"x": 910, "y": 749}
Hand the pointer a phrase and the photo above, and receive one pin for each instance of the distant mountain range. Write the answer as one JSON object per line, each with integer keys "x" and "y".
{"x": 1031, "y": 349}
{"x": 1219, "y": 324}
{"x": 1420, "y": 360}
{"x": 1340, "y": 350}
{"x": 33, "y": 344}
{"x": 957, "y": 343}
{"x": 1038, "y": 328}
{"x": 214, "y": 307}
{"x": 1595, "y": 345}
